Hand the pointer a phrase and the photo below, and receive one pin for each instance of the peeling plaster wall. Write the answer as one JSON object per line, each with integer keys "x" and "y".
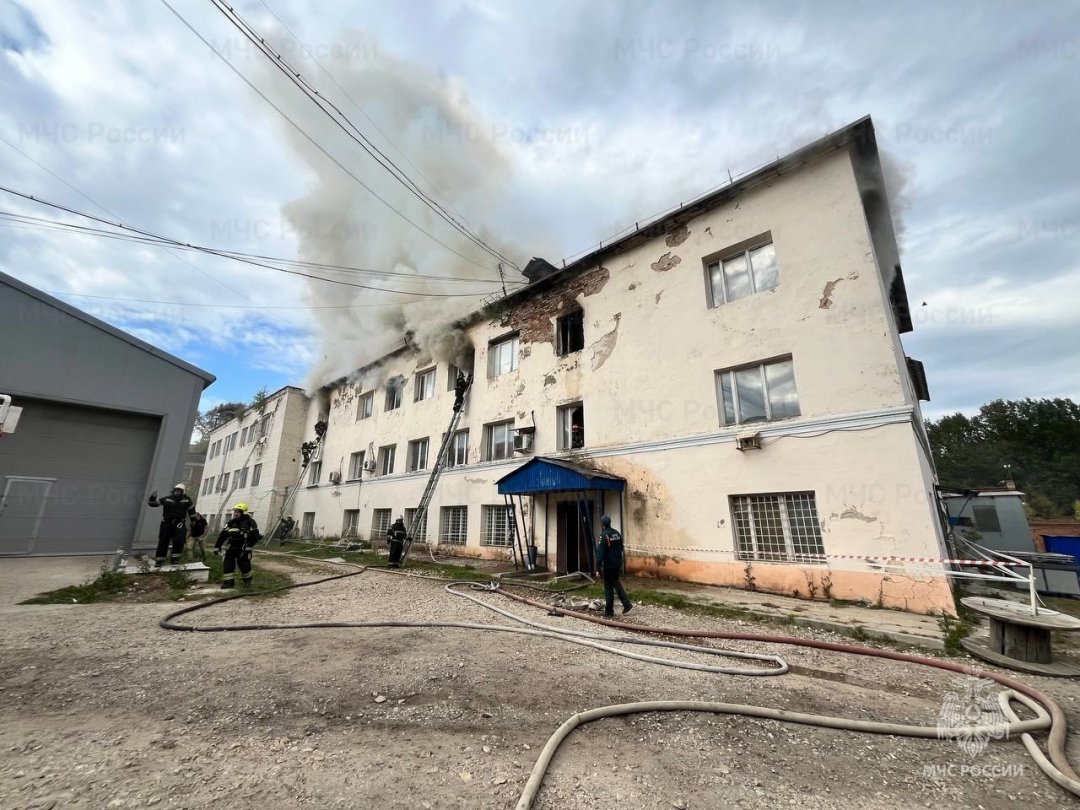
{"x": 646, "y": 374}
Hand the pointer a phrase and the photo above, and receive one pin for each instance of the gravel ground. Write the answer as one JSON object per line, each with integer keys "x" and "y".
{"x": 100, "y": 708}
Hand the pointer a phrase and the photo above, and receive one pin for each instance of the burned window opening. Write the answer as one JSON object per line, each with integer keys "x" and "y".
{"x": 570, "y": 333}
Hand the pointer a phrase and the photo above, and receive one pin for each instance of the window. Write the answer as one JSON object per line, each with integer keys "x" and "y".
{"x": 758, "y": 393}
{"x": 419, "y": 533}
{"x": 425, "y": 385}
{"x": 498, "y": 443}
{"x": 503, "y": 356}
{"x": 243, "y": 437}
{"x": 215, "y": 449}
{"x": 418, "y": 451}
{"x": 468, "y": 361}
{"x": 386, "y": 459}
{"x": 380, "y": 524}
{"x": 314, "y": 473}
{"x": 570, "y": 333}
{"x": 364, "y": 405}
{"x": 393, "y": 393}
{"x": 256, "y": 475}
{"x": 208, "y": 485}
{"x": 350, "y": 524}
{"x": 232, "y": 441}
{"x": 986, "y": 517}
{"x": 571, "y": 426}
{"x": 223, "y": 482}
{"x": 452, "y": 525}
{"x": 264, "y": 425}
{"x": 307, "y": 524}
{"x": 241, "y": 478}
{"x": 777, "y": 528}
{"x": 356, "y": 466}
{"x": 742, "y": 274}
{"x": 458, "y": 452}
{"x": 496, "y": 526}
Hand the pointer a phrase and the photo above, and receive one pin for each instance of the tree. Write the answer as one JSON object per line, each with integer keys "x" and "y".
{"x": 209, "y": 421}
{"x": 1039, "y": 440}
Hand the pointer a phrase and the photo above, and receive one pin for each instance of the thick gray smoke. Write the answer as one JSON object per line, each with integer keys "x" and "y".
{"x": 453, "y": 158}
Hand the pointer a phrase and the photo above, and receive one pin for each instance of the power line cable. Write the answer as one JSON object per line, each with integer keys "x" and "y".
{"x": 315, "y": 143}
{"x": 338, "y": 117}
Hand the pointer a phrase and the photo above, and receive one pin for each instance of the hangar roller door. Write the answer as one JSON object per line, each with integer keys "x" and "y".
{"x": 73, "y": 479}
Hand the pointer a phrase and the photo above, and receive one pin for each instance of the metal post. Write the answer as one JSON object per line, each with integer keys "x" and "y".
{"x": 1031, "y": 590}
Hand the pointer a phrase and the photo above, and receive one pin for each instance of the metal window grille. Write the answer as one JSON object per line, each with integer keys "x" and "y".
{"x": 419, "y": 533}
{"x": 452, "y": 525}
{"x": 351, "y": 524}
{"x": 777, "y": 528}
{"x": 496, "y": 525}
{"x": 380, "y": 523}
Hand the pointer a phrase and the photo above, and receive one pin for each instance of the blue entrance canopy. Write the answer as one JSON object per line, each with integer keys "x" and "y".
{"x": 543, "y": 474}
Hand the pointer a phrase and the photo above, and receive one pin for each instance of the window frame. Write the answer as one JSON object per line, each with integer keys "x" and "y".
{"x": 395, "y": 394}
{"x": 419, "y": 534}
{"x": 378, "y": 531}
{"x": 256, "y": 475}
{"x": 749, "y": 548}
{"x": 350, "y": 519}
{"x": 742, "y": 249}
{"x": 307, "y": 524}
{"x": 412, "y": 452}
{"x": 487, "y": 531}
{"x": 384, "y": 468}
{"x": 356, "y": 465}
{"x": 451, "y": 452}
{"x": 424, "y": 385}
{"x": 562, "y": 335}
{"x": 564, "y": 425}
{"x": 513, "y": 341}
{"x": 365, "y": 406}
{"x": 731, "y": 373}
{"x": 489, "y": 440}
{"x": 314, "y": 473}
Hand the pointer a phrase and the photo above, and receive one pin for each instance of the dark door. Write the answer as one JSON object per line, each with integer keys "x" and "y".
{"x": 575, "y": 541}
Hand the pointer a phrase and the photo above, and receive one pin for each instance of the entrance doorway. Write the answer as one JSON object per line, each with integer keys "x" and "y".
{"x": 574, "y": 520}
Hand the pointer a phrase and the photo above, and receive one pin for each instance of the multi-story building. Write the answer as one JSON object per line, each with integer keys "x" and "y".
{"x": 726, "y": 381}
{"x": 255, "y": 458}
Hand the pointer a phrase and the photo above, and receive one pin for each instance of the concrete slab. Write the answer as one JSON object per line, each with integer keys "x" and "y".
{"x": 196, "y": 571}
{"x": 23, "y": 577}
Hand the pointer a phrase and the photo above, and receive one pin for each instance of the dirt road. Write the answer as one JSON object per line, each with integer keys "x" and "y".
{"x": 99, "y": 708}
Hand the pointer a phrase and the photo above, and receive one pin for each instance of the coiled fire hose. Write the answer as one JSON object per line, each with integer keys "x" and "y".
{"x": 1049, "y": 716}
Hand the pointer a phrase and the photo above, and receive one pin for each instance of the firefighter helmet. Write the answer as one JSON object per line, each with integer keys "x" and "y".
{"x": 180, "y": 487}
{"x": 240, "y": 507}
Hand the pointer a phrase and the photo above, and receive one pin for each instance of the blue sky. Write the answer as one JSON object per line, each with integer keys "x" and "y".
{"x": 547, "y": 127}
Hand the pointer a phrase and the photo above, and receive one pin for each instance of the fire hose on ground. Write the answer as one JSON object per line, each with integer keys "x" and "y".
{"x": 1049, "y": 716}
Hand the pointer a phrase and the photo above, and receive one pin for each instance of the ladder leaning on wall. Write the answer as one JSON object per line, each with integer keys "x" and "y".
{"x": 420, "y": 514}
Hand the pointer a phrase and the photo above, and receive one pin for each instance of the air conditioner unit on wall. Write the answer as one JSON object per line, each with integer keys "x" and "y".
{"x": 369, "y": 465}
{"x": 335, "y": 478}
{"x": 523, "y": 442}
{"x": 748, "y": 441}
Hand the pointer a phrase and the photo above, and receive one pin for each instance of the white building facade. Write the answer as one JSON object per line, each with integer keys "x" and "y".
{"x": 737, "y": 363}
{"x": 254, "y": 459}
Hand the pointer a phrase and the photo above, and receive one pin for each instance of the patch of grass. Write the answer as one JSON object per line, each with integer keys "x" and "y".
{"x": 105, "y": 588}
{"x": 262, "y": 579}
{"x": 859, "y": 633}
{"x": 953, "y": 631}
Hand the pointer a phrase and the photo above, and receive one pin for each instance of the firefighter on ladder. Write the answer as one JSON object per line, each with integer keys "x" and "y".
{"x": 176, "y": 508}
{"x": 239, "y": 537}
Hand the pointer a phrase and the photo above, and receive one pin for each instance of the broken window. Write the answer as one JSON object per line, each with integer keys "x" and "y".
{"x": 743, "y": 273}
{"x": 465, "y": 368}
{"x": 498, "y": 441}
{"x": 418, "y": 453}
{"x": 758, "y": 393}
{"x": 386, "y": 459}
{"x": 364, "y": 405}
{"x": 425, "y": 385}
{"x": 453, "y": 525}
{"x": 570, "y": 333}
{"x": 503, "y": 356}
{"x": 393, "y": 393}
{"x": 777, "y": 528}
{"x": 571, "y": 426}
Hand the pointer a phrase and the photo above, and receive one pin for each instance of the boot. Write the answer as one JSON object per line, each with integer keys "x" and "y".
{"x": 158, "y": 562}
{"x": 228, "y": 584}
{"x": 174, "y": 559}
{"x": 247, "y": 583}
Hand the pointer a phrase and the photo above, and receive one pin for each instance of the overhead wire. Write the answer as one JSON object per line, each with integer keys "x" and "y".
{"x": 348, "y": 127}
{"x": 316, "y": 144}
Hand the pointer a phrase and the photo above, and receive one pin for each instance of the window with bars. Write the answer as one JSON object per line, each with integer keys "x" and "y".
{"x": 418, "y": 453}
{"x": 386, "y": 459}
{"x": 453, "y": 521}
{"x": 380, "y": 524}
{"x": 743, "y": 273}
{"x": 498, "y": 440}
{"x": 350, "y": 525}
{"x": 365, "y": 405}
{"x": 307, "y": 524}
{"x": 458, "y": 451}
{"x": 419, "y": 533}
{"x": 503, "y": 356}
{"x": 495, "y": 526}
{"x": 256, "y": 475}
{"x": 781, "y": 527}
{"x": 356, "y": 465}
{"x": 758, "y": 393}
{"x": 425, "y": 385}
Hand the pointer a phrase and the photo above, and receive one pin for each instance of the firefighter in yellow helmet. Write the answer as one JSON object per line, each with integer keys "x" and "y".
{"x": 238, "y": 537}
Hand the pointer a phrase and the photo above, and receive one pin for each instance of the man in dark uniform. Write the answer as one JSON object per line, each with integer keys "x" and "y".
{"x": 239, "y": 536}
{"x": 461, "y": 385}
{"x": 396, "y": 538}
{"x": 609, "y": 559}
{"x": 176, "y": 508}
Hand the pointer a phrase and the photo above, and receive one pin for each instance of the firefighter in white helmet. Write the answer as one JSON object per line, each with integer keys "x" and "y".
{"x": 176, "y": 509}
{"x": 239, "y": 537}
